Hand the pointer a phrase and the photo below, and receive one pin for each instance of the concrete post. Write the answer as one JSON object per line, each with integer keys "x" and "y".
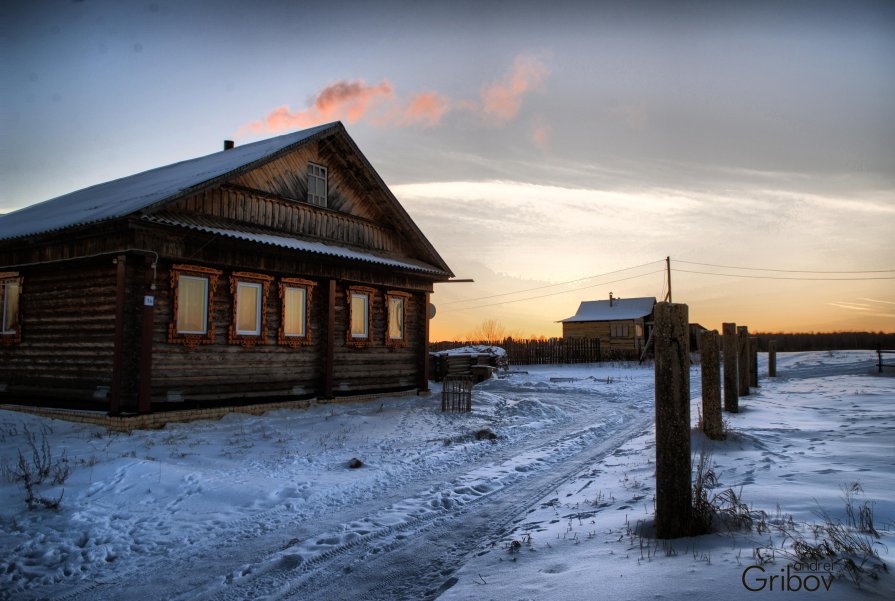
{"x": 672, "y": 373}
{"x": 772, "y": 359}
{"x": 711, "y": 385}
{"x": 743, "y": 360}
{"x": 753, "y": 361}
{"x": 731, "y": 381}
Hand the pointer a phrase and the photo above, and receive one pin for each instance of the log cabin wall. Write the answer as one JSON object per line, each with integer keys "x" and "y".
{"x": 377, "y": 366}
{"x": 68, "y": 330}
{"x": 603, "y": 331}
{"x": 223, "y": 370}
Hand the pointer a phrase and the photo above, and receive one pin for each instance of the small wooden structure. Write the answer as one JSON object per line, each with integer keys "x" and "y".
{"x": 283, "y": 268}
{"x": 456, "y": 393}
{"x": 880, "y": 354}
{"x": 478, "y": 361}
{"x": 621, "y": 325}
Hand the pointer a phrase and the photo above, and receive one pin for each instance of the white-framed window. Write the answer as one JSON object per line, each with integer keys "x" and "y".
{"x": 248, "y": 322}
{"x": 10, "y": 292}
{"x": 192, "y": 296}
{"x": 359, "y": 330}
{"x": 192, "y": 305}
{"x": 360, "y": 315}
{"x": 396, "y": 328}
{"x": 396, "y": 318}
{"x": 317, "y": 185}
{"x": 295, "y": 311}
{"x": 248, "y": 308}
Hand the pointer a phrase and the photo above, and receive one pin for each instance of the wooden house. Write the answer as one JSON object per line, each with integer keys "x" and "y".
{"x": 283, "y": 268}
{"x": 622, "y": 324}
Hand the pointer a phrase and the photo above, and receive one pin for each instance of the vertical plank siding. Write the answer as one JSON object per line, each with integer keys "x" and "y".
{"x": 253, "y": 208}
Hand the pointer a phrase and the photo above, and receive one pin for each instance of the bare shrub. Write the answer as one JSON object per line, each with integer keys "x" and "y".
{"x": 37, "y": 465}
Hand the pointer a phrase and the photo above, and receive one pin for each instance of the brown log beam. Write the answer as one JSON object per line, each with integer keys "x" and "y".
{"x": 118, "y": 349}
{"x": 330, "y": 357}
{"x": 145, "y": 390}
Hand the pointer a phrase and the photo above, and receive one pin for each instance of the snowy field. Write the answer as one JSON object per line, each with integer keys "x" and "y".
{"x": 557, "y": 506}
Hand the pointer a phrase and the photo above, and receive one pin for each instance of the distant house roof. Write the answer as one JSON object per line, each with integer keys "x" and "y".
{"x": 621, "y": 308}
{"x": 127, "y": 195}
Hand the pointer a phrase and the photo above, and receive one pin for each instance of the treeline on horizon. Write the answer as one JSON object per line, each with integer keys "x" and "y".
{"x": 827, "y": 341}
{"x": 804, "y": 341}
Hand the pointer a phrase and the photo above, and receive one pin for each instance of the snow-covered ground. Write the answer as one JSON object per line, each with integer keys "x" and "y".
{"x": 266, "y": 507}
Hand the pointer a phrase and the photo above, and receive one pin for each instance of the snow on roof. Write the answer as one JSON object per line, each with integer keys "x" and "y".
{"x": 209, "y": 225}
{"x": 127, "y": 195}
{"x": 622, "y": 308}
{"x": 476, "y": 349}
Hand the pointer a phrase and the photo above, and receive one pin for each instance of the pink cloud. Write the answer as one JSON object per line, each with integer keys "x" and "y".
{"x": 426, "y": 109}
{"x": 348, "y": 100}
{"x": 502, "y": 100}
{"x": 354, "y": 101}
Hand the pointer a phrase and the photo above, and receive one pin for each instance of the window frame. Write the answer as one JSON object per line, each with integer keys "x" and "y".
{"x": 192, "y": 339}
{"x": 404, "y": 297}
{"x": 260, "y": 282}
{"x": 295, "y": 340}
{"x": 10, "y": 336}
{"x": 314, "y": 198}
{"x": 358, "y": 341}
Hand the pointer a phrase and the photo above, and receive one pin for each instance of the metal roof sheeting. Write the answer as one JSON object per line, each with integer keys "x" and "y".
{"x": 211, "y": 226}
{"x": 622, "y": 308}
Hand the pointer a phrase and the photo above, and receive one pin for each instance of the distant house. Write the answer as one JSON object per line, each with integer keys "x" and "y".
{"x": 621, "y": 324}
{"x": 283, "y": 268}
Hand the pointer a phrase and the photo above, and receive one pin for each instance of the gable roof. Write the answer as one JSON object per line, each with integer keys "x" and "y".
{"x": 622, "y": 308}
{"x": 133, "y": 193}
{"x": 148, "y": 191}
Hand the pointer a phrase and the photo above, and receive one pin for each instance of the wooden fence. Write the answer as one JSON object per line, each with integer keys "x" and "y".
{"x": 539, "y": 352}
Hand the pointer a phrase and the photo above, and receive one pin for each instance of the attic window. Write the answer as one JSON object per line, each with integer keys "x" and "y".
{"x": 316, "y": 185}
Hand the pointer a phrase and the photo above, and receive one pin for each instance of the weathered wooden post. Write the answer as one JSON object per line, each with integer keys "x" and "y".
{"x": 772, "y": 359}
{"x": 711, "y": 384}
{"x": 753, "y": 361}
{"x": 743, "y": 360}
{"x": 672, "y": 373}
{"x": 731, "y": 382}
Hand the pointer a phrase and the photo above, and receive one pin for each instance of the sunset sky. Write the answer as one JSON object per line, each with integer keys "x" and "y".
{"x": 536, "y": 144}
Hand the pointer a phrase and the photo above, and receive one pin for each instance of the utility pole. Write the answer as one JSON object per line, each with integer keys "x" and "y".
{"x": 668, "y": 272}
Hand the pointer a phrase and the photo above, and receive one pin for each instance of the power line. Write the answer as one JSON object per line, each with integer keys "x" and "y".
{"x": 590, "y": 277}
{"x": 783, "y": 270}
{"x": 771, "y": 277}
{"x": 519, "y": 300}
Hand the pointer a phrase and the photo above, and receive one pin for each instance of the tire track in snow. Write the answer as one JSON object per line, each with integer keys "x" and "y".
{"x": 248, "y": 544}
{"x": 414, "y": 559}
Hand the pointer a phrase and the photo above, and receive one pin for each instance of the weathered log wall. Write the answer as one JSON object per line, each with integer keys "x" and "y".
{"x": 602, "y": 330}
{"x": 68, "y": 326}
{"x": 222, "y": 370}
